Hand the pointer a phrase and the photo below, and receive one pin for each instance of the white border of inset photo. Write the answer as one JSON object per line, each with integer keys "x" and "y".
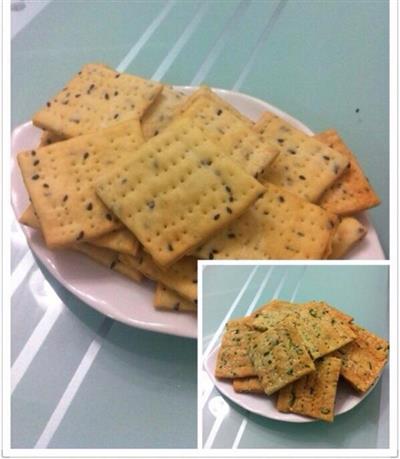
{"x": 205, "y": 388}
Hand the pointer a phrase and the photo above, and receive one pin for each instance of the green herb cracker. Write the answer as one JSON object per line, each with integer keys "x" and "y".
{"x": 279, "y": 356}
{"x": 322, "y": 328}
{"x": 250, "y": 385}
{"x": 314, "y": 394}
{"x": 363, "y": 359}
{"x": 233, "y": 360}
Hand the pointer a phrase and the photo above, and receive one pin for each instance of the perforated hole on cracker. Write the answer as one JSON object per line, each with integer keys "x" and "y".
{"x": 177, "y": 190}
{"x": 60, "y": 180}
{"x": 280, "y": 225}
{"x": 96, "y": 98}
{"x": 231, "y": 130}
{"x": 305, "y": 166}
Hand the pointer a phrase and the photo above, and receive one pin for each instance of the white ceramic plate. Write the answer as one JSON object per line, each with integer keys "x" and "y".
{"x": 346, "y": 397}
{"x": 109, "y": 292}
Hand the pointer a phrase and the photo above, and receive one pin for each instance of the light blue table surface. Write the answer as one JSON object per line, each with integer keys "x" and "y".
{"x": 361, "y": 291}
{"x": 308, "y": 58}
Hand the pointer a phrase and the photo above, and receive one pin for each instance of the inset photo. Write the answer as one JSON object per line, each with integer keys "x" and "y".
{"x": 295, "y": 356}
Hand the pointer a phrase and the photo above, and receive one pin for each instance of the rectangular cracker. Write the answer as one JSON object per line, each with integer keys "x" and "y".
{"x": 275, "y": 310}
{"x": 273, "y": 305}
{"x": 29, "y": 218}
{"x": 161, "y": 111}
{"x": 48, "y": 137}
{"x": 280, "y": 225}
{"x": 167, "y": 299}
{"x": 351, "y": 192}
{"x": 109, "y": 259}
{"x": 231, "y": 131}
{"x": 180, "y": 277}
{"x": 279, "y": 356}
{"x": 250, "y": 385}
{"x": 121, "y": 240}
{"x": 218, "y": 103}
{"x": 233, "y": 360}
{"x": 348, "y": 233}
{"x": 323, "y": 329}
{"x": 60, "y": 180}
{"x": 177, "y": 191}
{"x": 313, "y": 395}
{"x": 363, "y": 359}
{"x": 96, "y": 98}
{"x": 305, "y": 166}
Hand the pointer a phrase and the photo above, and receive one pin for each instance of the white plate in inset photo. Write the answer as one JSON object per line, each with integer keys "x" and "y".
{"x": 346, "y": 397}
{"x": 109, "y": 292}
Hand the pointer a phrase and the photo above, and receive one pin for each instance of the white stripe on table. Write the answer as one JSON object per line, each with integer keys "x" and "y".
{"x": 73, "y": 386}
{"x": 219, "y": 44}
{"x": 183, "y": 39}
{"x": 21, "y": 18}
{"x": 41, "y": 331}
{"x": 229, "y": 313}
{"x": 18, "y": 240}
{"x": 296, "y": 289}
{"x": 243, "y": 424}
{"x": 20, "y": 272}
{"x": 211, "y": 344}
{"x": 219, "y": 420}
{"x": 34, "y": 343}
{"x": 145, "y": 37}
{"x": 261, "y": 41}
{"x": 253, "y": 304}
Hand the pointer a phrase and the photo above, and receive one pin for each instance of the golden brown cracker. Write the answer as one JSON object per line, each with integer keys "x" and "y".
{"x": 352, "y": 191}
{"x": 96, "y": 98}
{"x": 177, "y": 191}
{"x": 363, "y": 359}
{"x": 313, "y": 395}
{"x": 60, "y": 180}
{"x": 169, "y": 300}
{"x": 305, "y": 166}
{"x": 279, "y": 356}
{"x": 279, "y": 225}
{"x": 349, "y": 232}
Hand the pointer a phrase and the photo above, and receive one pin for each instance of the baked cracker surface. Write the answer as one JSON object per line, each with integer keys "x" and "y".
{"x": 177, "y": 191}
{"x": 352, "y": 191}
{"x": 233, "y": 360}
{"x": 363, "y": 359}
{"x": 348, "y": 233}
{"x": 60, "y": 180}
{"x": 279, "y": 356}
{"x": 169, "y": 300}
{"x": 279, "y": 225}
{"x": 230, "y": 130}
{"x": 181, "y": 276}
{"x": 96, "y": 98}
{"x": 313, "y": 395}
{"x": 305, "y": 166}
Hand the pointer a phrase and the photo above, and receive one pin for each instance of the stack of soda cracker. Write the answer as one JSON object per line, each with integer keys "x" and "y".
{"x": 298, "y": 352}
{"x": 146, "y": 180}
